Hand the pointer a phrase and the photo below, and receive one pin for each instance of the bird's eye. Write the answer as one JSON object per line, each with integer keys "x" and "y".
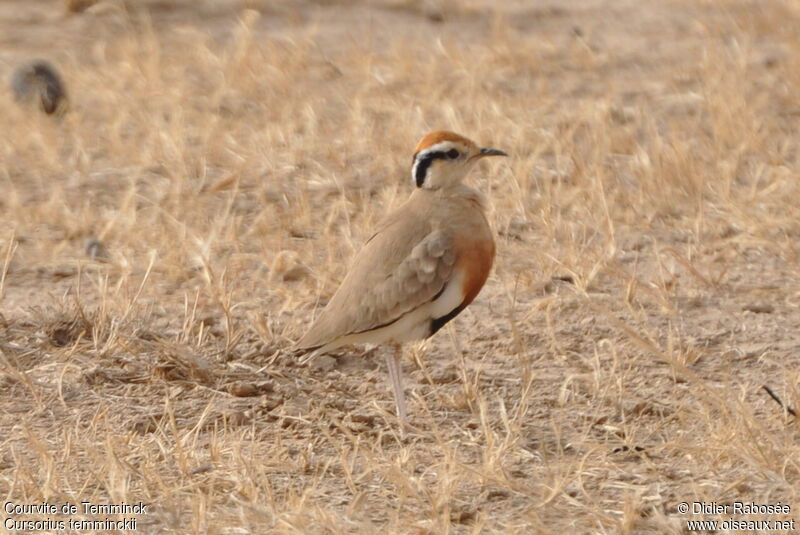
{"x": 452, "y": 154}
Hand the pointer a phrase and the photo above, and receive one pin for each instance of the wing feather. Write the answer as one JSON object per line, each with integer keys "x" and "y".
{"x": 392, "y": 275}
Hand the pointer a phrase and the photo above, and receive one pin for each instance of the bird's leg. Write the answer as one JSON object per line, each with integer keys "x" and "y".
{"x": 396, "y": 377}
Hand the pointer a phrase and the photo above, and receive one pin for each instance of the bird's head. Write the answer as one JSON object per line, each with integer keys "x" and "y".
{"x": 443, "y": 159}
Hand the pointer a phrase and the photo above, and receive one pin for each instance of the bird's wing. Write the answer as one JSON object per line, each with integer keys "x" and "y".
{"x": 389, "y": 278}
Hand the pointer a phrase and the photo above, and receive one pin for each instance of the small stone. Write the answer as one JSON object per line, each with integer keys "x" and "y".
{"x": 296, "y": 273}
{"x": 202, "y": 469}
{"x": 96, "y": 250}
{"x": 323, "y": 363}
{"x": 463, "y": 516}
{"x": 39, "y": 82}
{"x": 435, "y": 15}
{"x": 760, "y": 308}
{"x": 287, "y": 267}
{"x": 79, "y": 6}
{"x": 363, "y": 418}
{"x": 245, "y": 389}
{"x": 444, "y": 376}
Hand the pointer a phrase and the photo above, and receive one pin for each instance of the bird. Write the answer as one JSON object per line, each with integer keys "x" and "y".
{"x": 425, "y": 262}
{"x": 38, "y": 80}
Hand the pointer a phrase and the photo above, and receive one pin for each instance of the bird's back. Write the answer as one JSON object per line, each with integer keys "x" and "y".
{"x": 404, "y": 265}
{"x": 353, "y": 308}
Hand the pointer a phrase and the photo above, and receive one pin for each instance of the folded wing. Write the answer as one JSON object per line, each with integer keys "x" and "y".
{"x": 388, "y": 279}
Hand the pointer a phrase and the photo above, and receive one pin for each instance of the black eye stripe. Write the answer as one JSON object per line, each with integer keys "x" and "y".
{"x": 424, "y": 163}
{"x": 452, "y": 154}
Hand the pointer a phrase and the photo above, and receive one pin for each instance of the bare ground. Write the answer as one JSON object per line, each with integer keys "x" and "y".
{"x": 231, "y": 156}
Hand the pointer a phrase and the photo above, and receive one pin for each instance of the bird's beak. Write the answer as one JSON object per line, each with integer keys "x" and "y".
{"x": 489, "y": 152}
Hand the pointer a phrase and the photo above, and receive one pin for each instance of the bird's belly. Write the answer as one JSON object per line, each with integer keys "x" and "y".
{"x": 451, "y": 298}
{"x": 413, "y": 326}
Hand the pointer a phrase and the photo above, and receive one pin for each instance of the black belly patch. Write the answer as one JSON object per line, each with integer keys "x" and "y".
{"x": 438, "y": 323}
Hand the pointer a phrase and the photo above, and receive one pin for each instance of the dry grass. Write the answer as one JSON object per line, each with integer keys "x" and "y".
{"x": 230, "y": 162}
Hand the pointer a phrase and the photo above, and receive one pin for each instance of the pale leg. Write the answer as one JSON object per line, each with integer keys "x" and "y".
{"x": 396, "y": 378}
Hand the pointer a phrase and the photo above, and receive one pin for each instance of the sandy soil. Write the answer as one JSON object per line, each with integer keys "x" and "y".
{"x": 231, "y": 156}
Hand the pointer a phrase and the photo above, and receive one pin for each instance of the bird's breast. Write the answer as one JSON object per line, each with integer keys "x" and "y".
{"x": 475, "y": 257}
